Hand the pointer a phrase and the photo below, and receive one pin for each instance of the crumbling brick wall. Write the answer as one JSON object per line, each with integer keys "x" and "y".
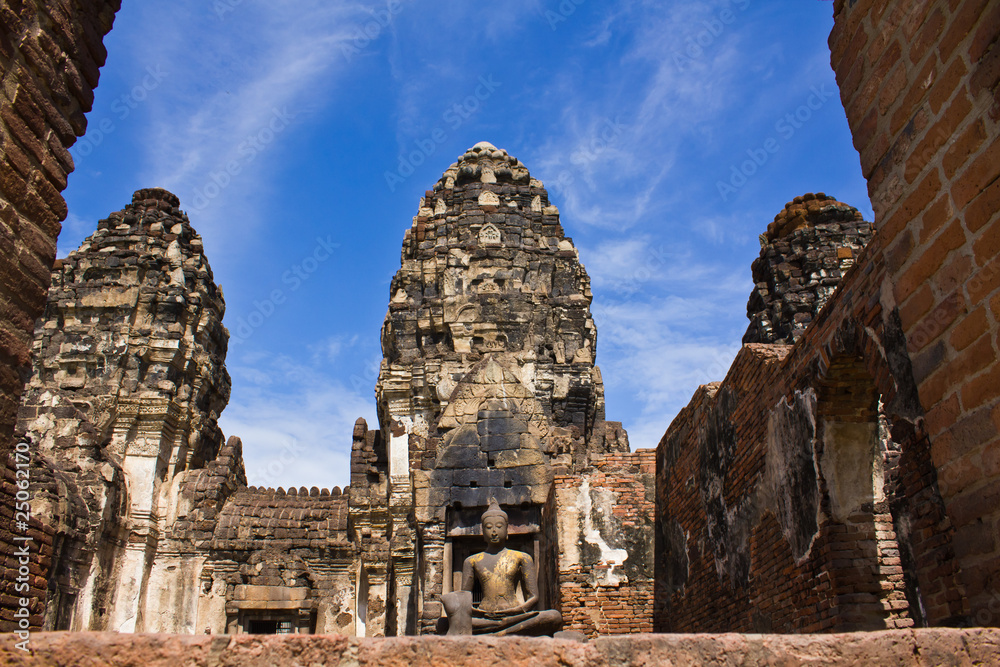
{"x": 291, "y": 545}
{"x": 606, "y": 525}
{"x": 919, "y": 83}
{"x": 761, "y": 527}
{"x": 50, "y": 57}
{"x": 919, "y": 314}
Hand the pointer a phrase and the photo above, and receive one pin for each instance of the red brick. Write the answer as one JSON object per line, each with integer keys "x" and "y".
{"x": 971, "y": 360}
{"x": 987, "y": 243}
{"x": 892, "y": 86}
{"x": 28, "y": 140}
{"x": 899, "y": 252}
{"x": 957, "y": 474}
{"x": 843, "y": 34}
{"x": 920, "y": 197}
{"x": 991, "y": 459}
{"x": 880, "y": 71}
{"x": 934, "y": 389}
{"x": 917, "y": 305}
{"x": 945, "y": 85}
{"x": 935, "y": 217}
{"x": 937, "y": 136}
{"x": 983, "y": 388}
{"x": 984, "y": 81}
{"x": 971, "y": 327}
{"x": 984, "y": 208}
{"x": 18, "y": 160}
{"x": 963, "y": 147}
{"x": 961, "y": 26}
{"x": 965, "y": 510}
{"x": 917, "y": 92}
{"x": 954, "y": 273}
{"x": 930, "y": 31}
{"x": 930, "y": 259}
{"x": 984, "y": 282}
{"x": 974, "y": 179}
{"x": 987, "y": 34}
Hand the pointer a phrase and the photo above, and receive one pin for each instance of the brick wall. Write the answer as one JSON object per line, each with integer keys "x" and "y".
{"x": 760, "y": 526}
{"x": 614, "y": 507}
{"x": 919, "y": 83}
{"x": 751, "y": 477}
{"x": 50, "y": 55}
{"x": 39, "y": 559}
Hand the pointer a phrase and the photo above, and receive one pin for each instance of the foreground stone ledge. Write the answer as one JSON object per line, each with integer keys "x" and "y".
{"x": 895, "y": 647}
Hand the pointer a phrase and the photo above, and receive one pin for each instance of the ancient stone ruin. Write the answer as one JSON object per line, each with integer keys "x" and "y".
{"x": 129, "y": 381}
{"x": 488, "y": 390}
{"x": 842, "y": 476}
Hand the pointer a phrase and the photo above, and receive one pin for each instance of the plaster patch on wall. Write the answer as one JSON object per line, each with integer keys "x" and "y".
{"x": 791, "y": 471}
{"x": 569, "y": 525}
{"x": 601, "y": 502}
{"x": 848, "y": 466}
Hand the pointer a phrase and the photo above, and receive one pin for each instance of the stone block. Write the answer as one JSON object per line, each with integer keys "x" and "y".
{"x": 463, "y": 435}
{"x": 500, "y": 425}
{"x": 461, "y": 456}
{"x": 519, "y": 457}
{"x": 498, "y": 442}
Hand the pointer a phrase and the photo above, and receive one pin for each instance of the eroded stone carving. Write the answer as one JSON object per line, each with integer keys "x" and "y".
{"x": 127, "y": 386}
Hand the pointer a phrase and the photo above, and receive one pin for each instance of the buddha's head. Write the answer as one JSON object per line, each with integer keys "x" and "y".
{"x": 494, "y": 524}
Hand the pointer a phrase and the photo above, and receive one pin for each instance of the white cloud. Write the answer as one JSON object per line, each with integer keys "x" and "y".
{"x": 237, "y": 87}
{"x": 329, "y": 350}
{"x": 643, "y": 266}
{"x": 680, "y": 75}
{"x": 656, "y": 347}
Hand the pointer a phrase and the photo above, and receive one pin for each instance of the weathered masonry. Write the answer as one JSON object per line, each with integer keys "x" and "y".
{"x": 791, "y": 494}
{"x": 488, "y": 389}
{"x": 50, "y": 58}
{"x": 844, "y": 475}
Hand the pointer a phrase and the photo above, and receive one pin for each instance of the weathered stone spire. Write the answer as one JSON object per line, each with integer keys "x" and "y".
{"x": 488, "y": 384}
{"x": 487, "y": 271}
{"x": 803, "y": 256}
{"x": 128, "y": 383}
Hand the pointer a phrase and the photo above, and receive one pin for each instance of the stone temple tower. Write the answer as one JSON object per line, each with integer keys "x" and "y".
{"x": 803, "y": 256}
{"x": 488, "y": 274}
{"x": 128, "y": 382}
{"x": 488, "y": 386}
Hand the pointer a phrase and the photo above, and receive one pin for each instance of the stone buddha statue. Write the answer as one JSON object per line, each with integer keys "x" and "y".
{"x": 499, "y": 571}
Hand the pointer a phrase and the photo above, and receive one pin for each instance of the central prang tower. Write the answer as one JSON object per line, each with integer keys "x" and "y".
{"x": 488, "y": 275}
{"x": 487, "y": 388}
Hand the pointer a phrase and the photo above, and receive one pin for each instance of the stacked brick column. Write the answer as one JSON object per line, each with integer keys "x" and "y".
{"x": 50, "y": 55}
{"x": 919, "y": 83}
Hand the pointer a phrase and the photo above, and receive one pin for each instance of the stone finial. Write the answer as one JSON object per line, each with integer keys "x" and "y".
{"x": 155, "y": 194}
{"x": 484, "y": 163}
{"x": 810, "y": 210}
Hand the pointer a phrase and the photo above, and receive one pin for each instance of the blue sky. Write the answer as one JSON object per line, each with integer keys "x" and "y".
{"x": 300, "y": 137}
